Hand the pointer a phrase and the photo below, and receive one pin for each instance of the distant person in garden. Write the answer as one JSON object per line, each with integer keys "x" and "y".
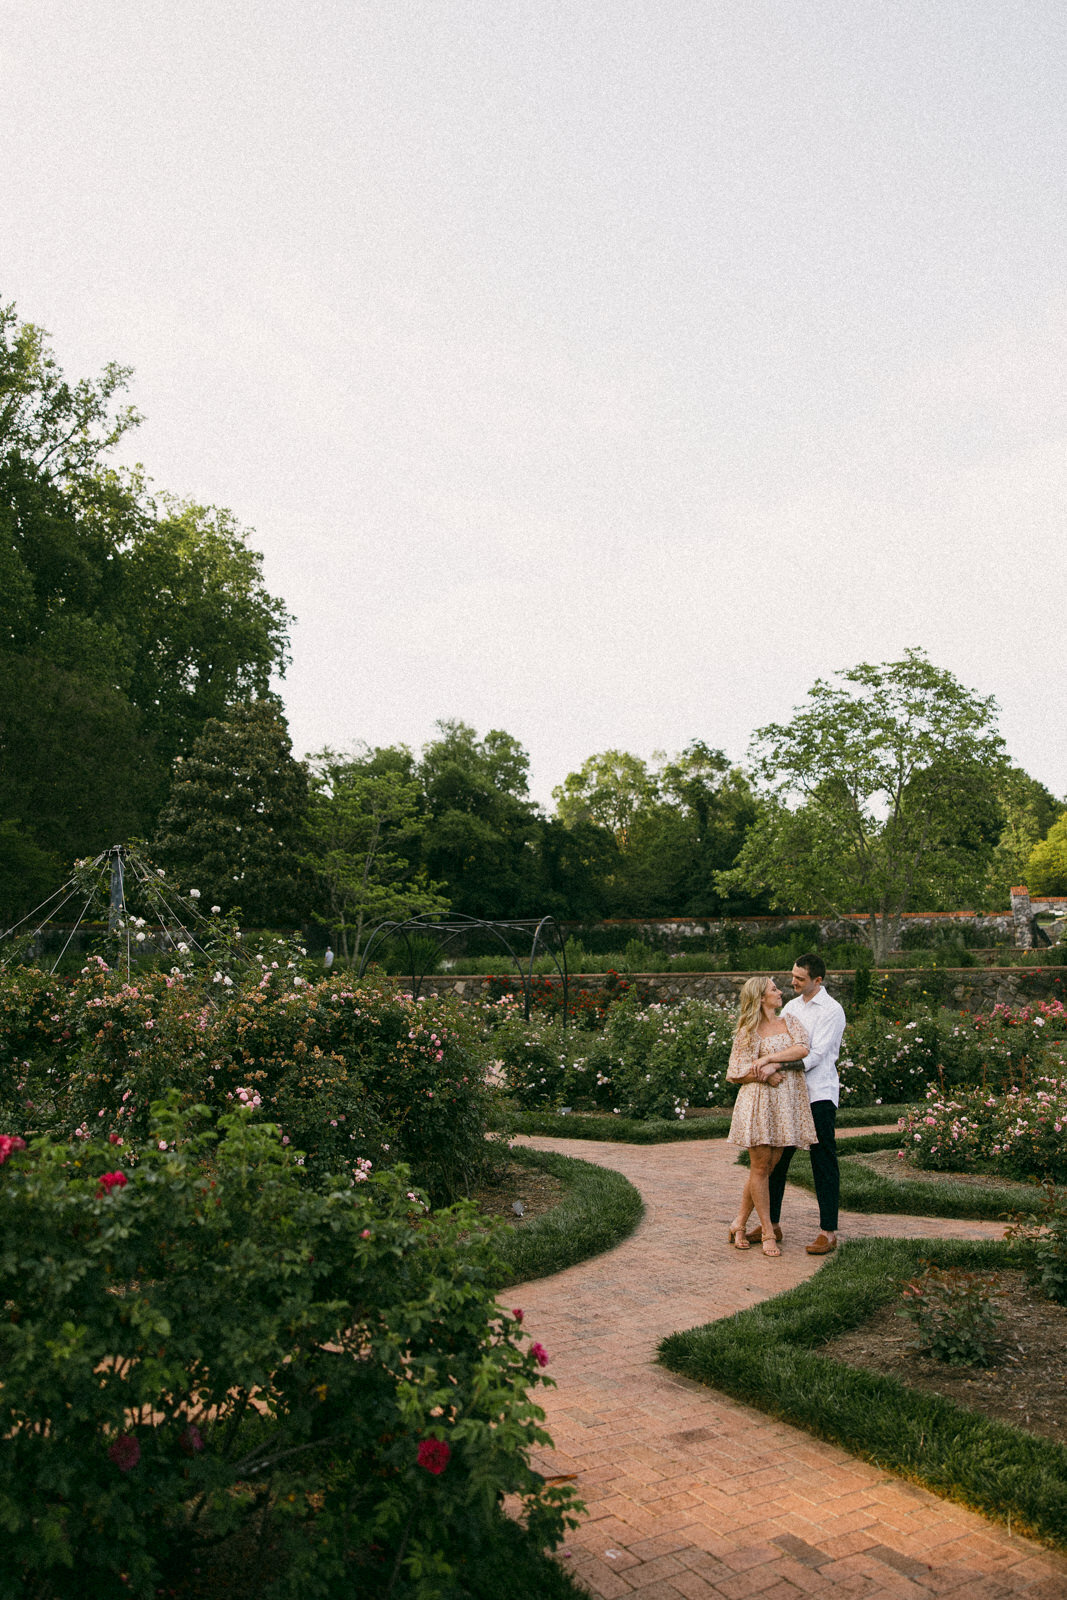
{"x": 771, "y": 1110}
{"x": 824, "y": 1023}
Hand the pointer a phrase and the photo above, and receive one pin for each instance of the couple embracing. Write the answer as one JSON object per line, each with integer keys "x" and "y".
{"x": 786, "y": 1066}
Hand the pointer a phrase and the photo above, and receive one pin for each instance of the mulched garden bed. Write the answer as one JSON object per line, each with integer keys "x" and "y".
{"x": 537, "y": 1191}
{"x": 1026, "y": 1385}
{"x": 889, "y": 1165}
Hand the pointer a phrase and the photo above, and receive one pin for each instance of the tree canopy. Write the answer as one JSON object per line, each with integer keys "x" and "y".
{"x": 128, "y": 619}
{"x": 233, "y": 825}
{"x": 882, "y": 795}
{"x": 1046, "y": 868}
{"x": 365, "y": 827}
{"x": 675, "y": 827}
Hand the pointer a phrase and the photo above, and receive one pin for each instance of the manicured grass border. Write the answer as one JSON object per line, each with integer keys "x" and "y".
{"x": 600, "y": 1210}
{"x": 769, "y": 1357}
{"x": 864, "y": 1190}
{"x": 657, "y": 1130}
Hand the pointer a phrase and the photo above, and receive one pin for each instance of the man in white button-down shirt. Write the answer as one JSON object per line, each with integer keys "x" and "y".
{"x": 824, "y": 1022}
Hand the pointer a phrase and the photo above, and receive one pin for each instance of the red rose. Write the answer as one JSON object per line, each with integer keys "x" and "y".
{"x": 434, "y": 1455}
{"x": 125, "y": 1452}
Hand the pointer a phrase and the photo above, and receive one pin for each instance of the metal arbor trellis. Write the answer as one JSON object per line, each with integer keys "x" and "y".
{"x": 543, "y": 932}
{"x": 170, "y": 921}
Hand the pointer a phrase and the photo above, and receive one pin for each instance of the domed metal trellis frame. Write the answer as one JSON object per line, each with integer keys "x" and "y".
{"x": 170, "y": 923}
{"x": 544, "y": 933}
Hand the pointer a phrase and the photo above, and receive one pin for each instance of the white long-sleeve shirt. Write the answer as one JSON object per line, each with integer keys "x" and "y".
{"x": 824, "y": 1021}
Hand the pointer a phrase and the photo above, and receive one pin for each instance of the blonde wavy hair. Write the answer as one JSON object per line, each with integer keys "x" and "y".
{"x": 751, "y": 997}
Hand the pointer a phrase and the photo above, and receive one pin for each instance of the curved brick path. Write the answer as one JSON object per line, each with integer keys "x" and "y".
{"x": 692, "y": 1494}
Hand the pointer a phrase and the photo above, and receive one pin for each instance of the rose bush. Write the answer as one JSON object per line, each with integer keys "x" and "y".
{"x": 654, "y": 1060}
{"x": 1019, "y": 1134}
{"x": 645, "y": 1061}
{"x": 215, "y": 1349}
{"x": 348, "y": 1075}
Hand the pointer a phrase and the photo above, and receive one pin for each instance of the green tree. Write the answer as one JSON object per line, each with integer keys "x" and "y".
{"x": 880, "y": 794}
{"x": 365, "y": 825}
{"x": 675, "y": 827}
{"x": 233, "y": 824}
{"x": 1028, "y": 812}
{"x": 62, "y": 427}
{"x": 126, "y": 620}
{"x": 482, "y": 829}
{"x": 1046, "y": 869}
{"x": 609, "y": 790}
{"x": 201, "y": 630}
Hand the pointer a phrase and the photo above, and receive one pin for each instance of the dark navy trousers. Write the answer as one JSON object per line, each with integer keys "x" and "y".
{"x": 823, "y": 1165}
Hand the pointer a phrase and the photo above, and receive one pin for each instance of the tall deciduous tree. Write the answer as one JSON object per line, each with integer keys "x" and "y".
{"x": 365, "y": 823}
{"x": 482, "y": 828}
{"x": 233, "y": 824}
{"x": 675, "y": 827}
{"x": 1046, "y": 868}
{"x": 608, "y": 789}
{"x": 126, "y": 620}
{"x": 881, "y": 788}
{"x": 1028, "y": 810}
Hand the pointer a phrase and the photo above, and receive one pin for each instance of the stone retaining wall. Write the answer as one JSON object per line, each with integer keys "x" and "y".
{"x": 997, "y": 926}
{"x": 962, "y": 988}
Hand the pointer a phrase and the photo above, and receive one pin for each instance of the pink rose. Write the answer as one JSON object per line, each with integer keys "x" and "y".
{"x": 8, "y": 1144}
{"x": 540, "y": 1354}
{"x": 111, "y": 1180}
{"x": 190, "y": 1440}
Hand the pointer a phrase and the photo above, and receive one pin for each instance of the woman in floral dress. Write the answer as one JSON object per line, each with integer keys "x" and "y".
{"x": 771, "y": 1110}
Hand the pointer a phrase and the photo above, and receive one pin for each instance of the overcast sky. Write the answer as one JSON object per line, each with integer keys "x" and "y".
{"x": 603, "y": 372}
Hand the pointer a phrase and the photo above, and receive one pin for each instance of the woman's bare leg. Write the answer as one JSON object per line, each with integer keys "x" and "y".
{"x": 737, "y": 1227}
{"x": 762, "y": 1159}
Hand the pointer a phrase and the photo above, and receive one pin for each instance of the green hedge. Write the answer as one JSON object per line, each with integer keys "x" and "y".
{"x": 600, "y": 1209}
{"x": 662, "y": 1130}
{"x": 865, "y": 1190}
{"x": 769, "y": 1357}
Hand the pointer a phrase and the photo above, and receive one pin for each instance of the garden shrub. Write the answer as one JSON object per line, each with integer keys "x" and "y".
{"x": 198, "y": 1345}
{"x": 646, "y": 1061}
{"x": 1044, "y": 1237}
{"x": 1015, "y": 1135}
{"x": 348, "y": 1074}
{"x": 954, "y": 1313}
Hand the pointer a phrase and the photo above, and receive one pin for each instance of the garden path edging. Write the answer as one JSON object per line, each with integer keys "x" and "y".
{"x": 691, "y": 1494}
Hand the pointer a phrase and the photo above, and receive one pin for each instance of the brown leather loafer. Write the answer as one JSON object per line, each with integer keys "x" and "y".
{"x": 822, "y": 1246}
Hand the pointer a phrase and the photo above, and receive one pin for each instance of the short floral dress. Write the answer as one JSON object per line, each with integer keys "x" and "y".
{"x": 777, "y": 1116}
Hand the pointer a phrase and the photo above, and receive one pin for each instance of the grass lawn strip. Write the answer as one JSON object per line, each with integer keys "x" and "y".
{"x": 600, "y": 1209}
{"x": 655, "y": 1130}
{"x": 769, "y": 1357}
{"x": 936, "y": 1196}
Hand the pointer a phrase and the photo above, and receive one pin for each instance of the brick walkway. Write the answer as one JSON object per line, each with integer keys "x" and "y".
{"x": 691, "y": 1494}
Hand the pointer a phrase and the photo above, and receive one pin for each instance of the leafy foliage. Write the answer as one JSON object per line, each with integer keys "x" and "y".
{"x": 954, "y": 1313}
{"x": 198, "y": 1344}
{"x": 364, "y": 825}
{"x": 1045, "y": 1235}
{"x": 895, "y": 773}
{"x": 127, "y": 619}
{"x": 347, "y": 1075}
{"x": 233, "y": 821}
{"x": 1046, "y": 867}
